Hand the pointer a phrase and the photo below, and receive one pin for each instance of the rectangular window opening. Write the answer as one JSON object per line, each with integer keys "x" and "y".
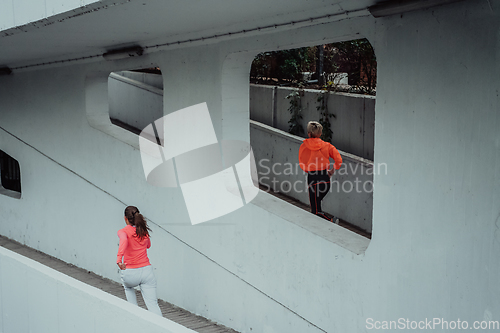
{"x": 135, "y": 98}
{"x": 334, "y": 84}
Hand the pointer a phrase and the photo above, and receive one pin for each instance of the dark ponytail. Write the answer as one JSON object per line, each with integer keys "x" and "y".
{"x": 135, "y": 218}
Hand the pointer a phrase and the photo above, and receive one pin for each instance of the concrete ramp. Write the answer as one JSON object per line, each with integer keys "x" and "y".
{"x": 40, "y": 293}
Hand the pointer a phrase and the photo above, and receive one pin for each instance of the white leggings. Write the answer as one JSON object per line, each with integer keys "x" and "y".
{"x": 145, "y": 279}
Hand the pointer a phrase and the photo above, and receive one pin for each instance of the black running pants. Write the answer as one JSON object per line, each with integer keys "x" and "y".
{"x": 318, "y": 186}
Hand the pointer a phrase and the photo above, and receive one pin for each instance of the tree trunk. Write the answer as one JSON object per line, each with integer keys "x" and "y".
{"x": 319, "y": 67}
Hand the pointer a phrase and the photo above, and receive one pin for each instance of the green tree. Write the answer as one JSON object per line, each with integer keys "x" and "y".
{"x": 285, "y": 66}
{"x": 295, "y": 109}
{"x": 357, "y": 59}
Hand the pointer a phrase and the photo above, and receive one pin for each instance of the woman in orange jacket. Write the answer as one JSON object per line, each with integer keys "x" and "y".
{"x": 314, "y": 158}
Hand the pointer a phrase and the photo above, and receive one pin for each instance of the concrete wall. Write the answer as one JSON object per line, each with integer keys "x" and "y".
{"x": 351, "y": 194}
{"x": 269, "y": 267}
{"x": 353, "y": 126}
{"x": 262, "y": 104}
{"x": 35, "y": 298}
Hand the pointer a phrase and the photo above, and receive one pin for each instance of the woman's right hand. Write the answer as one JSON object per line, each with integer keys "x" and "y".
{"x": 122, "y": 265}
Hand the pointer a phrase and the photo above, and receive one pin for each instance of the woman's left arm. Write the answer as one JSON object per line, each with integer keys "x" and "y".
{"x": 121, "y": 249}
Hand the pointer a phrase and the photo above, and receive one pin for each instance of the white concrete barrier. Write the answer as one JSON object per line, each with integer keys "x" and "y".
{"x": 351, "y": 192}
{"x": 35, "y": 298}
{"x": 154, "y": 80}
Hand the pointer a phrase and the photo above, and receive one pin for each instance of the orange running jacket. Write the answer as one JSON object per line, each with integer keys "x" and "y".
{"x": 314, "y": 155}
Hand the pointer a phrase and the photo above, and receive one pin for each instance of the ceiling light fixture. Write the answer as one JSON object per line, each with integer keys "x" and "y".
{"x": 394, "y": 7}
{"x": 5, "y": 70}
{"x": 123, "y": 53}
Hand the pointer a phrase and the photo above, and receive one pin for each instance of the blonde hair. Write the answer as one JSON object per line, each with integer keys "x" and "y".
{"x": 314, "y": 129}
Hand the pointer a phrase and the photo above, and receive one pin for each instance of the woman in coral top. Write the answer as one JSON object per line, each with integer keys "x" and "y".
{"x": 314, "y": 158}
{"x": 134, "y": 262}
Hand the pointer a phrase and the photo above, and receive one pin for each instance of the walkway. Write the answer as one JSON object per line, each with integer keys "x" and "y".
{"x": 170, "y": 311}
{"x": 303, "y": 206}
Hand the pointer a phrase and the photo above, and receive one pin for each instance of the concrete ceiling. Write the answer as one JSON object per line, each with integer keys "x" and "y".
{"x": 101, "y": 26}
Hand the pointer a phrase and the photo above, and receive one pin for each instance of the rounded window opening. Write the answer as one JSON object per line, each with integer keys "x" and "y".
{"x": 335, "y": 85}
{"x": 135, "y": 98}
{"x": 10, "y": 176}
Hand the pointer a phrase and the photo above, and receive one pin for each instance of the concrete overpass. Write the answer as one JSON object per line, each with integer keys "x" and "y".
{"x": 266, "y": 267}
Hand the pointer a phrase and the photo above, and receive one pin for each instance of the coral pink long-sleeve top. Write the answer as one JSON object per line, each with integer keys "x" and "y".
{"x": 132, "y": 250}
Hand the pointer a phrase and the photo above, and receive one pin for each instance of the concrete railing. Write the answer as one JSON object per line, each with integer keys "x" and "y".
{"x": 35, "y": 298}
{"x": 153, "y": 80}
{"x": 353, "y": 125}
{"x": 351, "y": 193}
